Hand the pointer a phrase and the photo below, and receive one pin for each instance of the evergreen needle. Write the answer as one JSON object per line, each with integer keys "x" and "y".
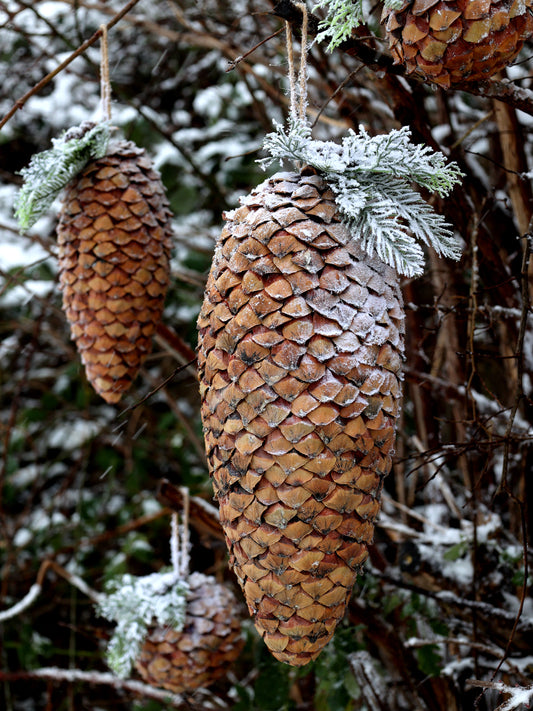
{"x": 135, "y": 604}
{"x": 49, "y": 171}
{"x": 343, "y": 16}
{"x": 371, "y": 177}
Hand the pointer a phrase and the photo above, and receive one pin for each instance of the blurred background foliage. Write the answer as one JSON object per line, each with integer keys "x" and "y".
{"x": 444, "y": 599}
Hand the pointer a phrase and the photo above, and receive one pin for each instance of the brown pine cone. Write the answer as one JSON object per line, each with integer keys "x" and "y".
{"x": 114, "y": 238}
{"x": 447, "y": 42}
{"x": 300, "y": 348}
{"x": 203, "y": 651}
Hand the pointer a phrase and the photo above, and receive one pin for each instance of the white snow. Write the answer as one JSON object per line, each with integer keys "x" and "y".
{"x": 24, "y": 293}
{"x": 22, "y": 537}
{"x": 25, "y": 476}
{"x": 70, "y": 435}
{"x": 17, "y": 251}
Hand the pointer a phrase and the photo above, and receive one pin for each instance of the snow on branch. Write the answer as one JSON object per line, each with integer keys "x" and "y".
{"x": 519, "y": 696}
{"x": 23, "y": 604}
{"x": 97, "y": 678}
{"x": 371, "y": 177}
{"x": 49, "y": 171}
{"x": 37, "y": 588}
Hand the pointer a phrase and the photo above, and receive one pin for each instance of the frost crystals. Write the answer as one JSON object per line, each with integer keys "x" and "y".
{"x": 135, "y": 604}
{"x": 371, "y": 178}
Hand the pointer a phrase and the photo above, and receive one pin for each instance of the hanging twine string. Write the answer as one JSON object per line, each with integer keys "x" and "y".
{"x": 302, "y": 77}
{"x": 105, "y": 84}
{"x": 179, "y": 540}
{"x": 290, "y": 62}
{"x": 184, "y": 557}
{"x": 175, "y": 545}
{"x": 298, "y": 86}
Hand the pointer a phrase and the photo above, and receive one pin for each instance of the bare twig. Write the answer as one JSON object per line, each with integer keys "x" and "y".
{"x": 232, "y": 65}
{"x": 81, "y": 49}
{"x": 158, "y": 387}
{"x": 105, "y": 84}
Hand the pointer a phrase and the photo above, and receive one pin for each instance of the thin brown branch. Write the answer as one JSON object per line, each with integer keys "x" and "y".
{"x": 519, "y": 355}
{"x": 183, "y": 420}
{"x": 93, "y": 541}
{"x": 239, "y": 59}
{"x": 81, "y": 49}
{"x": 36, "y": 589}
{"x": 158, "y": 387}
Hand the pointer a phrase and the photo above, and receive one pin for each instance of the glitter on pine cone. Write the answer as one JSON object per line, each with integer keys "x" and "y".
{"x": 450, "y": 42}
{"x": 114, "y": 239}
{"x": 202, "y": 652}
{"x": 300, "y": 348}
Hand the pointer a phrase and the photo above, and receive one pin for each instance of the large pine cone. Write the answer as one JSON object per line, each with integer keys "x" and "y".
{"x": 201, "y": 653}
{"x": 301, "y": 339}
{"x": 450, "y": 42}
{"x": 114, "y": 248}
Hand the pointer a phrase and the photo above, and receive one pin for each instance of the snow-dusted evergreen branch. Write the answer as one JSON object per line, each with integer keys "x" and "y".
{"x": 371, "y": 177}
{"x": 135, "y": 604}
{"x": 343, "y": 16}
{"x": 49, "y": 171}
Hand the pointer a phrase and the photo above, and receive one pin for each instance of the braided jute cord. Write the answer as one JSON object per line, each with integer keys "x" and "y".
{"x": 179, "y": 540}
{"x": 298, "y": 85}
{"x": 105, "y": 84}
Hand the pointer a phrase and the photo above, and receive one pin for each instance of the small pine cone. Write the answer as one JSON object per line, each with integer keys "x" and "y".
{"x": 450, "y": 42}
{"x": 202, "y": 652}
{"x": 114, "y": 247}
{"x": 301, "y": 341}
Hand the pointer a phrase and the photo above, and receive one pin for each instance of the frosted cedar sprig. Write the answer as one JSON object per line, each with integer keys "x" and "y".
{"x": 135, "y": 604}
{"x": 371, "y": 178}
{"x": 49, "y": 171}
{"x": 343, "y": 16}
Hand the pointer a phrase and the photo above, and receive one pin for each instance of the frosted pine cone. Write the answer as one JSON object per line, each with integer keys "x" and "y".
{"x": 301, "y": 339}
{"x": 202, "y": 652}
{"x": 114, "y": 246}
{"x": 448, "y": 42}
